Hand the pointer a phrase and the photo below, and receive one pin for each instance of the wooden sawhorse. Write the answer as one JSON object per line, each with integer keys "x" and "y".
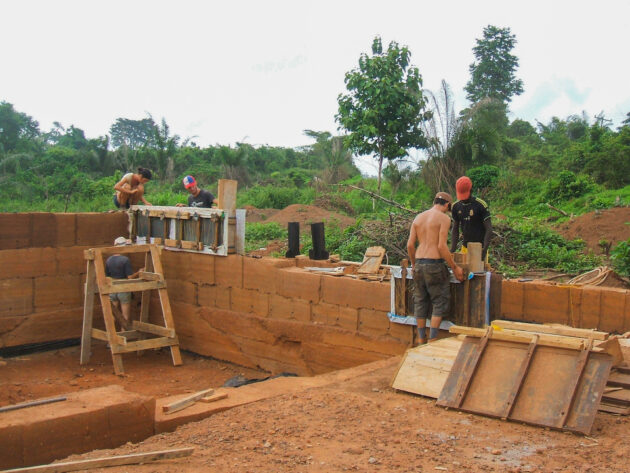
{"x": 151, "y": 278}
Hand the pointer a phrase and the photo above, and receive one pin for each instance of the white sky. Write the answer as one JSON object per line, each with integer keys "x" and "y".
{"x": 263, "y": 71}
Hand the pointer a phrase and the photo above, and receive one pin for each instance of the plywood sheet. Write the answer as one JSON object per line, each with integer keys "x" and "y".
{"x": 372, "y": 260}
{"x": 424, "y": 369}
{"x": 554, "y": 378}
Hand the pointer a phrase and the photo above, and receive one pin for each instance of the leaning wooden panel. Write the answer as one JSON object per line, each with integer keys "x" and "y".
{"x": 547, "y": 387}
{"x": 424, "y": 369}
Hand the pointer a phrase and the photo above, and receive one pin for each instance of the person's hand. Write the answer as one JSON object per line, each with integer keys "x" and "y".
{"x": 459, "y": 273}
{"x": 148, "y": 203}
{"x": 180, "y": 205}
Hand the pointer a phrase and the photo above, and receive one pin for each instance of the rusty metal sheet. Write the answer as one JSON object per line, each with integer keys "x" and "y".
{"x": 547, "y": 387}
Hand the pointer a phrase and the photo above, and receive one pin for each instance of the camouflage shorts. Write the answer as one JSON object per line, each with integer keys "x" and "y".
{"x": 431, "y": 288}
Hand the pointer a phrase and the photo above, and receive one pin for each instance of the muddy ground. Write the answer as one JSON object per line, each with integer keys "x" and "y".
{"x": 363, "y": 425}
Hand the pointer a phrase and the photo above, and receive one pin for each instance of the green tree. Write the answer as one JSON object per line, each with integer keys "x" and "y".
{"x": 331, "y": 155}
{"x": 17, "y": 130}
{"x": 133, "y": 134}
{"x": 492, "y": 73}
{"x": 384, "y": 107}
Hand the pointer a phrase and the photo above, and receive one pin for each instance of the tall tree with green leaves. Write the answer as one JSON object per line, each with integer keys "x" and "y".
{"x": 384, "y": 107}
{"x": 492, "y": 75}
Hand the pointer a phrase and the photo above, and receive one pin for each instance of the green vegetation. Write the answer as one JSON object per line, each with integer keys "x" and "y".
{"x": 534, "y": 175}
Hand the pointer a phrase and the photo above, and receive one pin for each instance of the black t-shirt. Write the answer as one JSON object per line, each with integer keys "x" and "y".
{"x": 203, "y": 199}
{"x": 470, "y": 214}
{"x": 118, "y": 267}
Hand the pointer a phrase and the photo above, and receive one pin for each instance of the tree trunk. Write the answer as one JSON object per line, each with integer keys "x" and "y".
{"x": 380, "y": 172}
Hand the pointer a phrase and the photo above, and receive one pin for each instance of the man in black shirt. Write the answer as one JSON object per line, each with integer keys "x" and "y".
{"x": 198, "y": 197}
{"x": 472, "y": 215}
{"x": 119, "y": 267}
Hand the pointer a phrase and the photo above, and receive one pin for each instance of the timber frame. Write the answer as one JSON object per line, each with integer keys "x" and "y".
{"x": 120, "y": 342}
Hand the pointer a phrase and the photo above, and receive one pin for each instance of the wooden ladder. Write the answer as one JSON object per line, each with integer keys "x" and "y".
{"x": 130, "y": 340}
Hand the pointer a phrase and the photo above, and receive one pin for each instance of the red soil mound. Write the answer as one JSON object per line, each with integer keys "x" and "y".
{"x": 307, "y": 214}
{"x": 612, "y": 225}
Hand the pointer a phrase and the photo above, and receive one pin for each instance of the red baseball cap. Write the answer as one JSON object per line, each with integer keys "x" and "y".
{"x": 463, "y": 186}
{"x": 189, "y": 181}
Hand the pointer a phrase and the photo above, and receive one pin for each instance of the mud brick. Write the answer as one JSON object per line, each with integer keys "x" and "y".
{"x": 182, "y": 291}
{"x": 70, "y": 260}
{"x": 373, "y": 322}
{"x": 280, "y": 307}
{"x": 202, "y": 268}
{"x": 575, "y": 306}
{"x": 15, "y": 231}
{"x": 402, "y": 332}
{"x": 94, "y": 229}
{"x": 300, "y": 284}
{"x": 16, "y": 297}
{"x": 27, "y": 263}
{"x": 356, "y": 293}
{"x": 546, "y": 303}
{"x": 326, "y": 314}
{"x": 41, "y": 327}
{"x": 58, "y": 292}
{"x": 301, "y": 310}
{"x": 206, "y": 295}
{"x": 591, "y": 306}
{"x": 43, "y": 230}
{"x": 261, "y": 275}
{"x": 249, "y": 301}
{"x": 348, "y": 318}
{"x": 12, "y": 441}
{"x": 228, "y": 270}
{"x": 512, "y": 299}
{"x": 223, "y": 298}
{"x": 66, "y": 229}
{"x": 626, "y": 315}
{"x": 612, "y": 310}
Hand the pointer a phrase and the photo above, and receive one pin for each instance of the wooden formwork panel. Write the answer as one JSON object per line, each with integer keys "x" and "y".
{"x": 541, "y": 385}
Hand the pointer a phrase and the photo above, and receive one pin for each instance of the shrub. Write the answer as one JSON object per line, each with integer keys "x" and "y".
{"x": 566, "y": 185}
{"x": 483, "y": 176}
{"x": 620, "y": 257}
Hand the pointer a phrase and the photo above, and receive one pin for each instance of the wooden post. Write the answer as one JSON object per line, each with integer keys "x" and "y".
{"x": 227, "y": 195}
{"x": 88, "y": 313}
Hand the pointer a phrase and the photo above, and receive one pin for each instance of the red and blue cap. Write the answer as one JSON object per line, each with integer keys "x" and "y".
{"x": 189, "y": 181}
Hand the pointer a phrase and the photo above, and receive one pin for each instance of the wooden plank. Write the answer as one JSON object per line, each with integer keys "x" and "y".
{"x": 186, "y": 401}
{"x": 618, "y": 397}
{"x": 577, "y": 376}
{"x": 166, "y": 306}
{"x": 424, "y": 369}
{"x": 522, "y": 337}
{"x": 551, "y": 329}
{"x": 147, "y": 344}
{"x": 132, "y": 285}
{"x": 149, "y": 276}
{"x": 470, "y": 368}
{"x": 216, "y": 397}
{"x": 153, "y": 329}
{"x": 104, "y": 336}
{"x": 122, "y": 250}
{"x": 88, "y": 313}
{"x": 172, "y": 243}
{"x": 520, "y": 377}
{"x": 118, "y": 460}
{"x": 372, "y": 260}
{"x": 37, "y": 402}
{"x": 192, "y": 245}
{"x": 612, "y": 409}
{"x": 619, "y": 379}
{"x": 474, "y": 257}
{"x": 178, "y": 214}
{"x": 227, "y": 195}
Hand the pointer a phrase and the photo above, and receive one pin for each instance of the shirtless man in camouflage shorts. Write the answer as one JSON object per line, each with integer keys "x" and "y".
{"x": 428, "y": 264}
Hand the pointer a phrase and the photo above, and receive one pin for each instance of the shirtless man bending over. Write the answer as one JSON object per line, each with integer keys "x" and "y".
{"x": 428, "y": 265}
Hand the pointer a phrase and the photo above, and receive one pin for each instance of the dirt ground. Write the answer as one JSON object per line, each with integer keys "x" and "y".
{"x": 364, "y": 425}
{"x": 305, "y": 214}
{"x": 612, "y": 225}
{"x": 51, "y": 373}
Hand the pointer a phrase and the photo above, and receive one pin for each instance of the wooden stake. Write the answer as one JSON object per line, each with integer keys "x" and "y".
{"x": 185, "y": 402}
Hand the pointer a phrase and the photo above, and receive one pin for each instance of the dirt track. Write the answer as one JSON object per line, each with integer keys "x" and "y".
{"x": 364, "y": 425}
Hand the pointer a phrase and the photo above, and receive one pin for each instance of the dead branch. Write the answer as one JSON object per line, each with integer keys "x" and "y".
{"x": 560, "y": 211}
{"x": 387, "y": 201}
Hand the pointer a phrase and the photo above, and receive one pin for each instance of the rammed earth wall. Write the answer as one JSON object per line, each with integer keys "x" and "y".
{"x": 267, "y": 313}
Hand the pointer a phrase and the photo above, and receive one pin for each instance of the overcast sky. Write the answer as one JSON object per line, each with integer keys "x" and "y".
{"x": 263, "y": 71}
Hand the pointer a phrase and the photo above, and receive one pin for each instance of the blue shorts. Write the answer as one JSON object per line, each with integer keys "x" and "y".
{"x": 117, "y": 204}
{"x": 123, "y": 297}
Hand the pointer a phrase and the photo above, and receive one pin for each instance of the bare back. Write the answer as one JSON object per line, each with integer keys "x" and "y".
{"x": 430, "y": 229}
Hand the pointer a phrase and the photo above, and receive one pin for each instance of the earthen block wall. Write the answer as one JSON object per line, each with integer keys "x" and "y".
{"x": 42, "y": 272}
{"x": 606, "y": 309}
{"x": 270, "y": 314}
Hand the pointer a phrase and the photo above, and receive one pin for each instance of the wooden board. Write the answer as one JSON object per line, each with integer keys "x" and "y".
{"x": 613, "y": 409}
{"x": 424, "y": 369}
{"x": 618, "y": 397}
{"x": 227, "y": 195}
{"x": 560, "y": 388}
{"x": 187, "y": 401}
{"x": 619, "y": 379}
{"x": 552, "y": 329}
{"x": 372, "y": 260}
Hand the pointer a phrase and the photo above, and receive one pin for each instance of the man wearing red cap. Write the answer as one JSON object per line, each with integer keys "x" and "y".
{"x": 472, "y": 215}
{"x": 428, "y": 265}
{"x": 198, "y": 197}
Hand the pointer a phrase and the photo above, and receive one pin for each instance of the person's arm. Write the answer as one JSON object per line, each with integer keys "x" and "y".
{"x": 443, "y": 249}
{"x": 454, "y": 236}
{"x": 487, "y": 224}
{"x": 411, "y": 244}
{"x": 120, "y": 186}
{"x": 145, "y": 201}
{"x": 136, "y": 274}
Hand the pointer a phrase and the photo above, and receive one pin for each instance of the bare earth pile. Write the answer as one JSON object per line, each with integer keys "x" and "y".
{"x": 612, "y": 225}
